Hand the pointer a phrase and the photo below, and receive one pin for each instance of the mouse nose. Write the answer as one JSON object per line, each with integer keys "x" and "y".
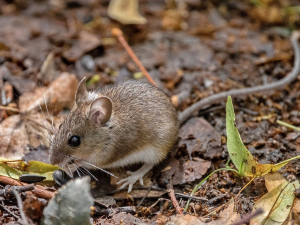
{"x": 54, "y": 159}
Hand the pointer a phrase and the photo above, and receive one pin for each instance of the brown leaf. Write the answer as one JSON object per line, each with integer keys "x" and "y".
{"x": 120, "y": 218}
{"x": 227, "y": 216}
{"x": 186, "y": 171}
{"x": 180, "y": 219}
{"x": 59, "y": 94}
{"x": 13, "y": 138}
{"x": 199, "y": 136}
{"x": 125, "y": 12}
{"x": 33, "y": 208}
{"x": 19, "y": 131}
{"x": 85, "y": 43}
{"x": 272, "y": 180}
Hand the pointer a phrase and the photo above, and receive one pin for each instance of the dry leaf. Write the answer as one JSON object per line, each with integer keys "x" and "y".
{"x": 59, "y": 94}
{"x": 125, "y": 12}
{"x": 272, "y": 180}
{"x": 181, "y": 219}
{"x": 227, "y": 216}
{"x": 276, "y": 204}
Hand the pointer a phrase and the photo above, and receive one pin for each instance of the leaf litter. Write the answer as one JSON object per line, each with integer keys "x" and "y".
{"x": 181, "y": 55}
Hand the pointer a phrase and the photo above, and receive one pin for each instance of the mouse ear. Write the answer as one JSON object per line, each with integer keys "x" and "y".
{"x": 101, "y": 110}
{"x": 81, "y": 93}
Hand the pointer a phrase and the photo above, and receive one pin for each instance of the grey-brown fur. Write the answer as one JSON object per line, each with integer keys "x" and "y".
{"x": 142, "y": 117}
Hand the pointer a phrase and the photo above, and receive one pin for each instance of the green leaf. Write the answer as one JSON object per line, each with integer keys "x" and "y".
{"x": 15, "y": 169}
{"x": 239, "y": 154}
{"x": 71, "y": 205}
{"x": 276, "y": 204}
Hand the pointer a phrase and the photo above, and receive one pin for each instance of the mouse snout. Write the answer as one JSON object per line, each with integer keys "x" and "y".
{"x": 55, "y": 159}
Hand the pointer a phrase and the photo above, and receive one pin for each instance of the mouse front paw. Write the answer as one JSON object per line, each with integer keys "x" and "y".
{"x": 131, "y": 180}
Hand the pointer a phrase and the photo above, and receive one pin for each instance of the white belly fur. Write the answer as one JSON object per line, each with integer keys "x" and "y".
{"x": 149, "y": 156}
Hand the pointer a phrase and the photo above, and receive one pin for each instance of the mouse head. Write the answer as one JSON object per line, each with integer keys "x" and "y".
{"x": 84, "y": 132}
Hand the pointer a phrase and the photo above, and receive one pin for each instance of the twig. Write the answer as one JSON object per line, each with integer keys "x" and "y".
{"x": 187, "y": 113}
{"x": 180, "y": 98}
{"x": 150, "y": 187}
{"x": 287, "y": 125}
{"x": 192, "y": 197}
{"x": 217, "y": 209}
{"x": 10, "y": 212}
{"x": 160, "y": 199}
{"x": 108, "y": 212}
{"x": 248, "y": 217}
{"x": 119, "y": 34}
{"x": 244, "y": 188}
{"x": 173, "y": 198}
{"x": 39, "y": 191}
{"x": 199, "y": 185}
{"x": 10, "y": 189}
{"x": 20, "y": 205}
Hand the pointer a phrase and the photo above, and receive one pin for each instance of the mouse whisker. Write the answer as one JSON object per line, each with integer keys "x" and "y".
{"x": 76, "y": 169}
{"x": 86, "y": 170}
{"x": 80, "y": 170}
{"x": 52, "y": 124}
{"x": 48, "y": 110}
{"x": 100, "y": 169}
{"x": 71, "y": 174}
{"x": 44, "y": 119}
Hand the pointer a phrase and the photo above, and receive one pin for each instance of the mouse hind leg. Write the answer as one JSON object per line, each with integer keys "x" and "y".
{"x": 135, "y": 176}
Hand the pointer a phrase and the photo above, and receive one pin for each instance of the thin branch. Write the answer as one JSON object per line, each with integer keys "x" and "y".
{"x": 119, "y": 34}
{"x": 38, "y": 191}
{"x": 173, "y": 197}
{"x": 20, "y": 205}
{"x": 10, "y": 212}
{"x": 10, "y": 189}
{"x": 217, "y": 98}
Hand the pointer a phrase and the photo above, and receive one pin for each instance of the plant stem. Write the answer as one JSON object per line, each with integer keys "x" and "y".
{"x": 198, "y": 185}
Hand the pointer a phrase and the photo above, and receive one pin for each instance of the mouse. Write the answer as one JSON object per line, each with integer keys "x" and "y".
{"x": 130, "y": 123}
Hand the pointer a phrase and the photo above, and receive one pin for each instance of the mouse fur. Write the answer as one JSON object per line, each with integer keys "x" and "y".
{"x": 141, "y": 127}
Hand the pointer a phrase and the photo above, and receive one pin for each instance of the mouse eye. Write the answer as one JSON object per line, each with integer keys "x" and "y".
{"x": 74, "y": 141}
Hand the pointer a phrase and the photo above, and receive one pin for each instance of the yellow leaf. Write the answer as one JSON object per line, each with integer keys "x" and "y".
{"x": 240, "y": 155}
{"x": 276, "y": 204}
{"x": 15, "y": 169}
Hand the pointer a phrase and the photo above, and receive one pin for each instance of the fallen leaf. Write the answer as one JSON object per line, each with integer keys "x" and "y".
{"x": 105, "y": 201}
{"x": 125, "y": 12}
{"x": 71, "y": 205}
{"x": 13, "y": 139}
{"x": 86, "y": 43}
{"x": 48, "y": 71}
{"x": 199, "y": 136}
{"x": 240, "y": 155}
{"x": 227, "y": 216}
{"x": 33, "y": 207}
{"x": 119, "y": 218}
{"x": 15, "y": 169}
{"x": 19, "y": 131}
{"x": 183, "y": 172}
{"x": 180, "y": 219}
{"x": 272, "y": 180}
{"x": 58, "y": 95}
{"x": 276, "y": 204}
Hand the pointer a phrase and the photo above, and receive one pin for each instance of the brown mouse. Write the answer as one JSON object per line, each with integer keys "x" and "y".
{"x": 133, "y": 122}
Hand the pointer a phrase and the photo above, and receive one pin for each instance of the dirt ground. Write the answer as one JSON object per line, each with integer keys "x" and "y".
{"x": 187, "y": 46}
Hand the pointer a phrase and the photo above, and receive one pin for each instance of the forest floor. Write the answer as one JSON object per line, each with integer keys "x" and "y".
{"x": 189, "y": 46}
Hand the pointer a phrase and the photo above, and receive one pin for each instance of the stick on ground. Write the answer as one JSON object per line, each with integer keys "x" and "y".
{"x": 119, "y": 34}
{"x": 173, "y": 197}
{"x": 217, "y": 98}
{"x": 39, "y": 191}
